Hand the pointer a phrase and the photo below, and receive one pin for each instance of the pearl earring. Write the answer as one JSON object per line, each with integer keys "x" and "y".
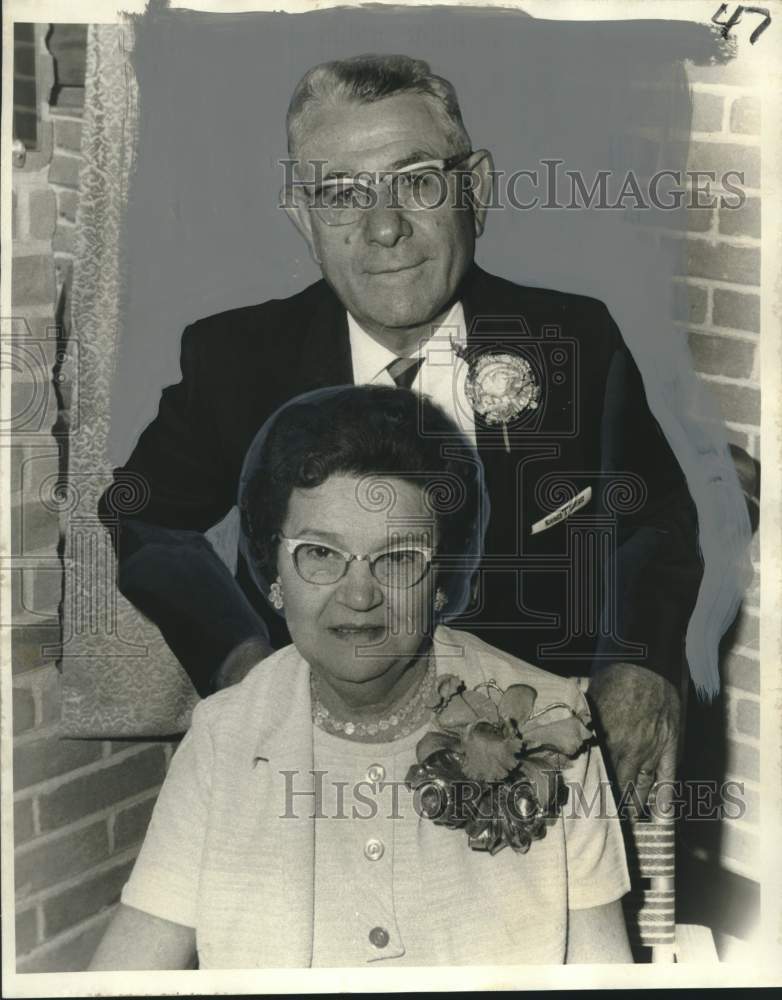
{"x": 440, "y": 599}
{"x": 275, "y": 594}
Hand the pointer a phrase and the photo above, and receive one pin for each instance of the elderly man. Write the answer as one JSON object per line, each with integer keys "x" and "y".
{"x": 390, "y": 197}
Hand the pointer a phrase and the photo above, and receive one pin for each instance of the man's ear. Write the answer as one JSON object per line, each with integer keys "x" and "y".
{"x": 293, "y": 200}
{"x": 481, "y": 167}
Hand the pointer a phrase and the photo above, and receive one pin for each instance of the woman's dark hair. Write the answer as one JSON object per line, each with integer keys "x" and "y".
{"x": 366, "y": 430}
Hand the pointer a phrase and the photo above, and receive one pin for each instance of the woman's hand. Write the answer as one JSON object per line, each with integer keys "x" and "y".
{"x": 137, "y": 940}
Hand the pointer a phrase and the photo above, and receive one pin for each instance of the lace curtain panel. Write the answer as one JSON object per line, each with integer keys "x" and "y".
{"x": 119, "y": 677}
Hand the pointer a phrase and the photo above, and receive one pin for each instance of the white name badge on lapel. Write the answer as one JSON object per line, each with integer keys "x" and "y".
{"x": 571, "y": 506}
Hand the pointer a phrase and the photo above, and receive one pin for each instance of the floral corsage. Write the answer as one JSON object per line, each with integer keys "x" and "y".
{"x": 500, "y": 387}
{"x": 494, "y": 767}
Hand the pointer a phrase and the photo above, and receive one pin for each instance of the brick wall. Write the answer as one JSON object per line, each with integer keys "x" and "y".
{"x": 25, "y": 118}
{"x": 719, "y": 298}
{"x": 80, "y": 806}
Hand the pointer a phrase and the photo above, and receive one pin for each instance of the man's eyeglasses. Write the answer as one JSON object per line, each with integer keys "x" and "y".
{"x": 396, "y": 568}
{"x": 340, "y": 201}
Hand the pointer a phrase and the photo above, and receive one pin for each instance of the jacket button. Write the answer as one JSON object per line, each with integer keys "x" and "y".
{"x": 376, "y": 773}
{"x": 374, "y": 849}
{"x": 379, "y": 937}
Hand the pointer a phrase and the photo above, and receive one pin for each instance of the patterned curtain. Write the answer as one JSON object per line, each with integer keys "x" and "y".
{"x": 119, "y": 677}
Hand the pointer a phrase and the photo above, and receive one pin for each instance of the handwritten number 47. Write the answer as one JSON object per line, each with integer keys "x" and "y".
{"x": 736, "y": 17}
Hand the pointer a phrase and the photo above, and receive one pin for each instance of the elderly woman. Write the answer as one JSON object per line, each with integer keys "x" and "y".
{"x": 386, "y": 790}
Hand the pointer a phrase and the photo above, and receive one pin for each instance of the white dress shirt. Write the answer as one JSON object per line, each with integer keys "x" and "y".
{"x": 441, "y": 376}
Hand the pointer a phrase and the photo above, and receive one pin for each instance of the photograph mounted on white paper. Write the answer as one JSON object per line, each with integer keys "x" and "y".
{"x": 381, "y": 450}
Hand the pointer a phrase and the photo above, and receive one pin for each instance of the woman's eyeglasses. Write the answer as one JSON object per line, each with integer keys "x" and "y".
{"x": 340, "y": 201}
{"x": 396, "y": 568}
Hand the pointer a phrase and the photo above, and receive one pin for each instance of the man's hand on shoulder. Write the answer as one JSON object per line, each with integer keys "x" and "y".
{"x": 241, "y": 660}
{"x": 639, "y": 713}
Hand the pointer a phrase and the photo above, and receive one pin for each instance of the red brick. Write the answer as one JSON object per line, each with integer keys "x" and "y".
{"x": 734, "y": 436}
{"x": 42, "y": 865}
{"x": 29, "y": 467}
{"x": 43, "y": 214}
{"x": 65, "y": 240}
{"x": 33, "y": 528}
{"x": 84, "y": 900}
{"x": 721, "y": 261}
{"x": 72, "y": 954}
{"x": 746, "y": 631}
{"x": 26, "y": 931}
{"x": 751, "y": 801}
{"x": 740, "y": 845}
{"x": 24, "y": 60}
{"x": 99, "y": 789}
{"x": 720, "y": 157}
{"x": 130, "y": 825}
{"x": 742, "y": 761}
{"x": 41, "y": 329}
{"x": 752, "y": 595}
{"x": 743, "y": 221}
{"x": 45, "y": 134}
{"x": 68, "y": 42}
{"x": 33, "y": 408}
{"x": 689, "y": 303}
{"x": 67, "y": 204}
{"x": 24, "y": 710}
{"x": 722, "y": 356}
{"x": 739, "y": 404}
{"x": 32, "y": 281}
{"x": 731, "y": 71}
{"x": 19, "y": 611}
{"x": 737, "y": 310}
{"x": 51, "y": 757}
{"x": 707, "y": 113}
{"x": 741, "y": 672}
{"x": 699, "y": 219}
{"x": 46, "y": 589}
{"x": 67, "y": 135}
{"x": 63, "y": 267}
{"x": 71, "y": 100}
{"x": 51, "y": 698}
{"x": 65, "y": 171}
{"x": 23, "y": 821}
{"x": 24, "y": 94}
{"x": 26, "y": 126}
{"x": 745, "y": 116}
{"x": 30, "y": 643}
{"x": 748, "y": 718}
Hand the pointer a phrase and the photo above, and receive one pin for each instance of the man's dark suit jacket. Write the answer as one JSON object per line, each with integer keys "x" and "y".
{"x": 616, "y": 580}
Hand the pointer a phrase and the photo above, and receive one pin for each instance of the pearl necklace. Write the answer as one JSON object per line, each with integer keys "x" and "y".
{"x": 401, "y": 722}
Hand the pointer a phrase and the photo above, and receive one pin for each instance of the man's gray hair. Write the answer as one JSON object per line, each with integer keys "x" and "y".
{"x": 368, "y": 78}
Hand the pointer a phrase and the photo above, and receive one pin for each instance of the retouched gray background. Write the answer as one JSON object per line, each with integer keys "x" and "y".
{"x": 204, "y": 232}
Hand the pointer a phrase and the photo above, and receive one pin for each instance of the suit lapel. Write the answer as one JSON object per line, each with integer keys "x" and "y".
{"x": 483, "y": 319}
{"x": 326, "y": 359}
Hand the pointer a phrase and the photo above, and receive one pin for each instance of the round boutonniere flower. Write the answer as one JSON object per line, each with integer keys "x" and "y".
{"x": 500, "y": 387}
{"x": 494, "y": 766}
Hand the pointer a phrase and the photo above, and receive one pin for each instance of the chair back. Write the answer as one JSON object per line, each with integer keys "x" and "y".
{"x": 650, "y": 906}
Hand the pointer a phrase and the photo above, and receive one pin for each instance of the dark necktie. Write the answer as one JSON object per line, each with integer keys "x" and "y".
{"x": 404, "y": 370}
